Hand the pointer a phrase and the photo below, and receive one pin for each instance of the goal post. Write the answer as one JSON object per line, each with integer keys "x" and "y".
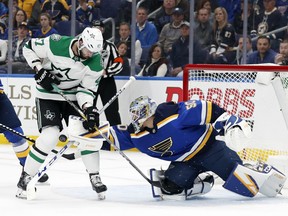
{"x": 256, "y": 93}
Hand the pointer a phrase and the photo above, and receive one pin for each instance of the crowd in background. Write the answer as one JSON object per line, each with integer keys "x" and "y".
{"x": 162, "y": 31}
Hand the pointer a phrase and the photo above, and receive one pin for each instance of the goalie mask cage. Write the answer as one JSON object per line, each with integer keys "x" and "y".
{"x": 256, "y": 93}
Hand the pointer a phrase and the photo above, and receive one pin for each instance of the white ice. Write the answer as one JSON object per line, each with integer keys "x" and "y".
{"x": 70, "y": 193}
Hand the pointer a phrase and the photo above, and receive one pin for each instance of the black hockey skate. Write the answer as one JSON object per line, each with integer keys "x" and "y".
{"x": 22, "y": 185}
{"x": 97, "y": 185}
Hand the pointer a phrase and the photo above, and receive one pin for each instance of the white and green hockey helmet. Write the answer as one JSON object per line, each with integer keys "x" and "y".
{"x": 92, "y": 39}
{"x": 140, "y": 110}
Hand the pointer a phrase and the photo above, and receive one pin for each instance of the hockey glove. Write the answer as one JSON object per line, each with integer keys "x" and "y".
{"x": 92, "y": 119}
{"x": 45, "y": 79}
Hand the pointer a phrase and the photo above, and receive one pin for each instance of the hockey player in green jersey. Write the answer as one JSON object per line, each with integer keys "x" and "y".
{"x": 74, "y": 65}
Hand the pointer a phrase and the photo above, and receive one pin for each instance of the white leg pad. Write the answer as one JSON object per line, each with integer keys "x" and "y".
{"x": 248, "y": 182}
{"x": 273, "y": 184}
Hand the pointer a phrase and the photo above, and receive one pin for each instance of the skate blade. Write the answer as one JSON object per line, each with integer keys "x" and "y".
{"x": 21, "y": 194}
{"x": 101, "y": 196}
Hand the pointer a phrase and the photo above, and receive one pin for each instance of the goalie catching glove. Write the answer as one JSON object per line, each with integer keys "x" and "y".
{"x": 227, "y": 122}
{"x": 46, "y": 79}
{"x": 235, "y": 130}
{"x": 92, "y": 119}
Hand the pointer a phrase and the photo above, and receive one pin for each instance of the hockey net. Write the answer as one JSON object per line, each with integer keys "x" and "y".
{"x": 254, "y": 93}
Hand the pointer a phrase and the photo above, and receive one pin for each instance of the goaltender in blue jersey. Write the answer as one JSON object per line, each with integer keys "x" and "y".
{"x": 185, "y": 134}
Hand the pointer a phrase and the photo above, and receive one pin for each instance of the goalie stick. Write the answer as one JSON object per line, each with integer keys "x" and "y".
{"x": 62, "y": 138}
{"x": 154, "y": 183}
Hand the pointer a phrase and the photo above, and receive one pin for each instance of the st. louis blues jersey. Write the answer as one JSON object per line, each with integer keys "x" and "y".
{"x": 180, "y": 131}
{"x": 1, "y": 86}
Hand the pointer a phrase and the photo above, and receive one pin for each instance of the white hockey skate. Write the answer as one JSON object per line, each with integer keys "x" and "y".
{"x": 97, "y": 185}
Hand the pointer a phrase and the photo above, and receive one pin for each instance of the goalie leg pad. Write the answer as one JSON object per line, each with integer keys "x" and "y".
{"x": 248, "y": 182}
{"x": 273, "y": 184}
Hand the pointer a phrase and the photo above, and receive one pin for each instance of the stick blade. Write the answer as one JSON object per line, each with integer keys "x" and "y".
{"x": 31, "y": 191}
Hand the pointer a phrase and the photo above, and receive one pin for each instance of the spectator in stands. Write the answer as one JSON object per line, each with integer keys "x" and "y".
{"x": 164, "y": 15}
{"x": 3, "y": 31}
{"x": 46, "y": 29}
{"x": 19, "y": 17}
{"x": 223, "y": 38}
{"x": 146, "y": 32}
{"x": 282, "y": 57}
{"x": 239, "y": 18}
{"x": 151, "y": 4}
{"x": 171, "y": 31}
{"x": 282, "y": 6}
{"x": 157, "y": 64}
{"x": 33, "y": 20}
{"x": 270, "y": 20}
{"x": 180, "y": 52}
{"x": 58, "y": 10}
{"x": 264, "y": 53}
{"x": 85, "y": 13}
{"x": 14, "y": 7}
{"x": 125, "y": 36}
{"x": 3, "y": 12}
{"x": 3, "y": 51}
{"x": 185, "y": 6}
{"x": 239, "y": 51}
{"x": 122, "y": 49}
{"x": 19, "y": 64}
{"x": 203, "y": 30}
{"x": 110, "y": 9}
{"x": 27, "y": 6}
{"x": 205, "y": 4}
{"x": 231, "y": 6}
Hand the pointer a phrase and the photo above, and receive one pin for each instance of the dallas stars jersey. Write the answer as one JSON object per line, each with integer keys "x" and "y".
{"x": 79, "y": 78}
{"x": 181, "y": 131}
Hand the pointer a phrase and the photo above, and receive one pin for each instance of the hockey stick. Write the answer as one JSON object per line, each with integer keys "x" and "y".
{"x": 71, "y": 156}
{"x": 154, "y": 183}
{"x": 16, "y": 133}
{"x": 30, "y": 190}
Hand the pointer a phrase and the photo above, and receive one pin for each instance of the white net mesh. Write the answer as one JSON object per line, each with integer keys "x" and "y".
{"x": 242, "y": 91}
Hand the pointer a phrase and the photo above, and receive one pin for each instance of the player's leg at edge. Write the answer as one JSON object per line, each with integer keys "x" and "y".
{"x": 202, "y": 185}
{"x": 21, "y": 148}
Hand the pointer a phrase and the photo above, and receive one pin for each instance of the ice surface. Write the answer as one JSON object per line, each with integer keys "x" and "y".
{"x": 70, "y": 192}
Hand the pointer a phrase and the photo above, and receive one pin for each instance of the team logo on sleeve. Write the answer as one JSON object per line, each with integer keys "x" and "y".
{"x": 190, "y": 104}
{"x": 163, "y": 147}
{"x": 55, "y": 37}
